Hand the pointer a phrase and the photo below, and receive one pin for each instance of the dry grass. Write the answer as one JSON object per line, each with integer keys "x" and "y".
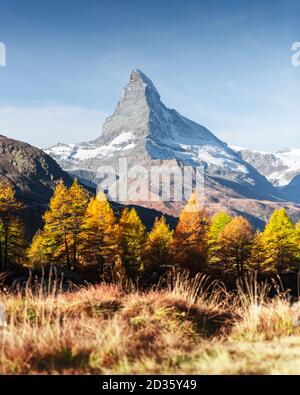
{"x": 192, "y": 327}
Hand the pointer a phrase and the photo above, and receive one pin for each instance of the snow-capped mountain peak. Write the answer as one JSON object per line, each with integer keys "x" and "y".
{"x": 280, "y": 167}
{"x": 143, "y": 129}
{"x": 142, "y": 125}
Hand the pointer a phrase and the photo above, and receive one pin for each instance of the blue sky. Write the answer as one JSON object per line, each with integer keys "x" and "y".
{"x": 226, "y": 65}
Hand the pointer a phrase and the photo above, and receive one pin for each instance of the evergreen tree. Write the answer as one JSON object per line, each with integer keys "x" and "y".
{"x": 190, "y": 247}
{"x": 131, "y": 238}
{"x": 234, "y": 244}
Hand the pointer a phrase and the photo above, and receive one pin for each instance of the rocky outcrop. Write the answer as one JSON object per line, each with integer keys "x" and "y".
{"x": 33, "y": 174}
{"x": 279, "y": 168}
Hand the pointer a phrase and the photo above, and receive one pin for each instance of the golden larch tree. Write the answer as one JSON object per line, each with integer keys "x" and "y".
{"x": 158, "y": 250}
{"x": 234, "y": 244}
{"x": 63, "y": 224}
{"x": 55, "y": 235}
{"x": 258, "y": 251}
{"x": 99, "y": 234}
{"x": 12, "y": 238}
{"x": 131, "y": 243}
{"x": 190, "y": 247}
{"x": 218, "y": 222}
{"x": 280, "y": 239}
{"x": 37, "y": 252}
{"x": 77, "y": 203}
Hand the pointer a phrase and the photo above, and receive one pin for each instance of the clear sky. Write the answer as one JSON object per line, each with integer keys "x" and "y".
{"x": 225, "y": 64}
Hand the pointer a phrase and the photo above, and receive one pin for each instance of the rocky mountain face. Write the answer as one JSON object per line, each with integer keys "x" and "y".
{"x": 145, "y": 132}
{"x": 33, "y": 174}
{"x": 143, "y": 127}
{"x": 279, "y": 168}
{"x": 291, "y": 191}
{"x": 282, "y": 169}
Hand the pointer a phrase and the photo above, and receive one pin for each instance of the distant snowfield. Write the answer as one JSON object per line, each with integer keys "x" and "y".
{"x": 287, "y": 161}
{"x": 291, "y": 159}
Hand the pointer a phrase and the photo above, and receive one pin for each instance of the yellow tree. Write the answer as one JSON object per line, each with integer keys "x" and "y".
{"x": 158, "y": 250}
{"x": 234, "y": 244}
{"x": 99, "y": 234}
{"x": 297, "y": 256}
{"x": 280, "y": 240}
{"x": 258, "y": 252}
{"x": 190, "y": 247}
{"x": 63, "y": 224}
{"x": 14, "y": 241}
{"x": 77, "y": 203}
{"x": 218, "y": 222}
{"x": 55, "y": 235}
{"x": 11, "y": 229}
{"x": 132, "y": 238}
{"x": 37, "y": 252}
{"x": 297, "y": 241}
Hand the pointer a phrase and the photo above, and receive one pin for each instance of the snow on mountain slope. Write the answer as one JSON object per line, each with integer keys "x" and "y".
{"x": 290, "y": 157}
{"x": 145, "y": 132}
{"x": 143, "y": 126}
{"x": 70, "y": 154}
{"x": 280, "y": 168}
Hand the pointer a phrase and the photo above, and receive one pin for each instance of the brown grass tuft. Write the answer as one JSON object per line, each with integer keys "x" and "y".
{"x": 194, "y": 326}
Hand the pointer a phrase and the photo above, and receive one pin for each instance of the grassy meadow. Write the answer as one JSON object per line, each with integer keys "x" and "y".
{"x": 191, "y": 326}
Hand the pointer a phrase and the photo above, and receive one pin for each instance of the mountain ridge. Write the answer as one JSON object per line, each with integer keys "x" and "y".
{"x": 33, "y": 174}
{"x": 280, "y": 167}
{"x": 144, "y": 131}
{"x": 143, "y": 126}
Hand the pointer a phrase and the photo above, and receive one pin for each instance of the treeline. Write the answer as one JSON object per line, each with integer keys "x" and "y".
{"x": 80, "y": 230}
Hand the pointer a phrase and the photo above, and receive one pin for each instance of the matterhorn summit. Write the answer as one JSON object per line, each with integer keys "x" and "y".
{"x": 143, "y": 130}
{"x": 143, "y": 127}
